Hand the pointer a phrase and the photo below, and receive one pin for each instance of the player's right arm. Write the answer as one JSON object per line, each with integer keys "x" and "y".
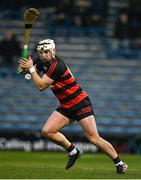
{"x": 40, "y": 82}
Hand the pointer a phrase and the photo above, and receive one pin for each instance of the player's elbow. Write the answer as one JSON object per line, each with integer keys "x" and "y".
{"x": 41, "y": 87}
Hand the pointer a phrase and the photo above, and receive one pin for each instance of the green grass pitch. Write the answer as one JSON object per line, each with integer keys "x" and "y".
{"x": 50, "y": 165}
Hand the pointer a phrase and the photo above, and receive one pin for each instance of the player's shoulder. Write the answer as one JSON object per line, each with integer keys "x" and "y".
{"x": 60, "y": 62}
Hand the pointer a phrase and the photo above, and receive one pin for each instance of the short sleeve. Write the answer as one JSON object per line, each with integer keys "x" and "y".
{"x": 56, "y": 69}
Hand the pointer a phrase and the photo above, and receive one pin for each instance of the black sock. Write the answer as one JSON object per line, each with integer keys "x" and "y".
{"x": 116, "y": 160}
{"x": 71, "y": 148}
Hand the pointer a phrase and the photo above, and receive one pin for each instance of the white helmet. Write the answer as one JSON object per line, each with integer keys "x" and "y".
{"x": 46, "y": 44}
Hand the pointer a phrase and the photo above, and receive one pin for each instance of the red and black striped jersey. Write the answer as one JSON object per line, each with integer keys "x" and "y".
{"x": 65, "y": 87}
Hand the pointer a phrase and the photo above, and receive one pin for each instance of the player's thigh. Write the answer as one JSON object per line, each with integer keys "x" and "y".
{"x": 55, "y": 122}
{"x": 89, "y": 126}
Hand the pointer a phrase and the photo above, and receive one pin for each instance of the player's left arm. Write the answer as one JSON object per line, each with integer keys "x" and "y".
{"x": 40, "y": 82}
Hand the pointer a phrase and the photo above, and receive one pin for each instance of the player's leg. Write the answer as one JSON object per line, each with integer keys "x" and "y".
{"x": 90, "y": 129}
{"x": 52, "y": 126}
{"x": 51, "y": 130}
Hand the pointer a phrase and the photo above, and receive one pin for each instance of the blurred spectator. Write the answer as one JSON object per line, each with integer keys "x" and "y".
{"x": 63, "y": 11}
{"x": 135, "y": 23}
{"x": 96, "y": 20}
{"x": 122, "y": 25}
{"x": 135, "y": 18}
{"x": 9, "y": 49}
{"x": 122, "y": 30}
{"x": 81, "y": 13}
{"x": 97, "y": 12}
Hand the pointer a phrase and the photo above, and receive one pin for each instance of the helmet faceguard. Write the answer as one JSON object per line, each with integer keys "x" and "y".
{"x": 47, "y": 44}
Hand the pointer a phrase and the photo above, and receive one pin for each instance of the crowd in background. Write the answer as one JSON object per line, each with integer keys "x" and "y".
{"x": 10, "y": 49}
{"x": 77, "y": 13}
{"x": 81, "y": 12}
{"x": 85, "y": 13}
{"x": 68, "y": 12}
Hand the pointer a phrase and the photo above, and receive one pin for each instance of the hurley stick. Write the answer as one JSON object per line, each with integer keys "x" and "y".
{"x": 30, "y": 16}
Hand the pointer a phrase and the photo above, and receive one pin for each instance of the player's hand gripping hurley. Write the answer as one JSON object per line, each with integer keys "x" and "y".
{"x": 30, "y": 16}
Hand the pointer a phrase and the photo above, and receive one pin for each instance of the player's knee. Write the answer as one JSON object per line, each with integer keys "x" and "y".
{"x": 94, "y": 139}
{"x": 47, "y": 133}
{"x": 43, "y": 132}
